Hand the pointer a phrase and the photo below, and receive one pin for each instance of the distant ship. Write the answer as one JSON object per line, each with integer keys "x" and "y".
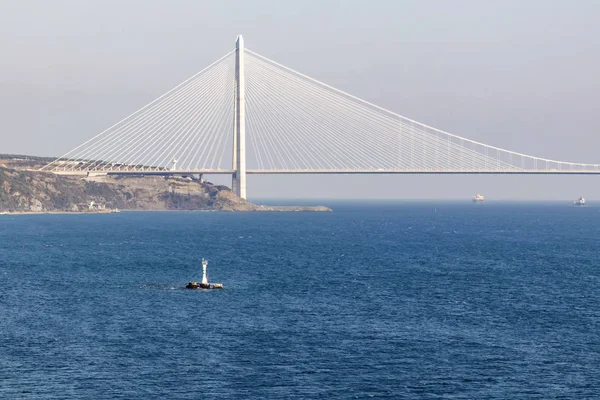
{"x": 478, "y": 198}
{"x": 579, "y": 202}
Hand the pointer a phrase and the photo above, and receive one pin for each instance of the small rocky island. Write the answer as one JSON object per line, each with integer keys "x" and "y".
{"x": 24, "y": 190}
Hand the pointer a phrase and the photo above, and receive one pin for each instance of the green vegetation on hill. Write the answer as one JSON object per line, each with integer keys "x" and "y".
{"x": 28, "y": 191}
{"x": 25, "y": 189}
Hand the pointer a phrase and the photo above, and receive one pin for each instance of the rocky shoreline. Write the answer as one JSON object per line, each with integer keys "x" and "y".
{"x": 263, "y": 209}
{"x": 32, "y": 192}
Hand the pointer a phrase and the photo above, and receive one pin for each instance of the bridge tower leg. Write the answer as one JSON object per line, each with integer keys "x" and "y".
{"x": 238, "y": 181}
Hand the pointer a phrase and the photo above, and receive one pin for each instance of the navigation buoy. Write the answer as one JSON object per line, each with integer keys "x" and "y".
{"x": 204, "y": 284}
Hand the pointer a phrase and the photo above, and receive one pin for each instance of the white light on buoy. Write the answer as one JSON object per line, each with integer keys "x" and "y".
{"x": 204, "y": 277}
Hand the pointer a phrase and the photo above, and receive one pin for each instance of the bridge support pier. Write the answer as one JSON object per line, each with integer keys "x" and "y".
{"x": 238, "y": 180}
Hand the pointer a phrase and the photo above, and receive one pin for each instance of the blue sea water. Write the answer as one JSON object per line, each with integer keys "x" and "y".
{"x": 375, "y": 300}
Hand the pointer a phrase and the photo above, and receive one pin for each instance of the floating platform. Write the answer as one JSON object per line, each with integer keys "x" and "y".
{"x": 198, "y": 285}
{"x": 204, "y": 284}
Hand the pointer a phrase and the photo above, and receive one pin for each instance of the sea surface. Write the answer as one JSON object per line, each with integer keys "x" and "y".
{"x": 405, "y": 300}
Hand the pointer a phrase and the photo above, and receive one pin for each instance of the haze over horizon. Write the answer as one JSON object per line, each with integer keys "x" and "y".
{"x": 518, "y": 75}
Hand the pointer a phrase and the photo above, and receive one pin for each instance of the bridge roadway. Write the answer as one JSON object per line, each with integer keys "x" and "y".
{"x": 328, "y": 172}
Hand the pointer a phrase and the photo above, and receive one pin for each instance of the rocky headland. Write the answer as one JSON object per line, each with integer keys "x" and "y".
{"x": 27, "y": 191}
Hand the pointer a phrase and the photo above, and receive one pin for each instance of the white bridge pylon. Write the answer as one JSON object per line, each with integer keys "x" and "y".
{"x": 247, "y": 114}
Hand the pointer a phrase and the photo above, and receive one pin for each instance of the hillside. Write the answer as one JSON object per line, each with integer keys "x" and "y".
{"x": 32, "y": 191}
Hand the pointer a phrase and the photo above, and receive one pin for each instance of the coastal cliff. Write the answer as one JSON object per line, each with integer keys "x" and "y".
{"x": 38, "y": 192}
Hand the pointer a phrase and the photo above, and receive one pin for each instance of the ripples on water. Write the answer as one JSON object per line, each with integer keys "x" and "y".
{"x": 388, "y": 300}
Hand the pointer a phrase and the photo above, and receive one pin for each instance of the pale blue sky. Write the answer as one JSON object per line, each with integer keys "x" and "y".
{"x": 522, "y": 75}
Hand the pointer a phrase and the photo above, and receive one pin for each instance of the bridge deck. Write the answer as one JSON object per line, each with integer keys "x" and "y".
{"x": 330, "y": 172}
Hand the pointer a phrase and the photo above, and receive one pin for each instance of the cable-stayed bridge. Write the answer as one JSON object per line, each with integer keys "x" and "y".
{"x": 247, "y": 114}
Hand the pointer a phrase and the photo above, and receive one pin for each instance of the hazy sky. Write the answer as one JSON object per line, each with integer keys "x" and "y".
{"x": 522, "y": 75}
